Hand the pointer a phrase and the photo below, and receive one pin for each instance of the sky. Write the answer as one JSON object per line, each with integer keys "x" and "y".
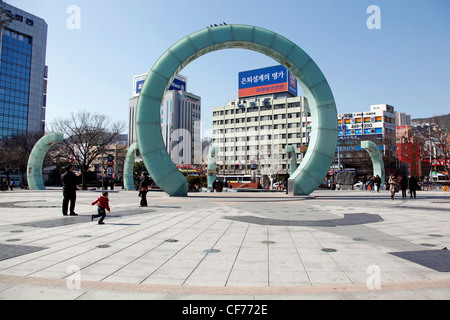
{"x": 92, "y": 60}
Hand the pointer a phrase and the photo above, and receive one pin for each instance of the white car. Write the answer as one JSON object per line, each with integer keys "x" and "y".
{"x": 278, "y": 185}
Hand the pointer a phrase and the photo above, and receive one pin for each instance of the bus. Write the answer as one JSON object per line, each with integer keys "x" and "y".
{"x": 440, "y": 178}
{"x": 238, "y": 178}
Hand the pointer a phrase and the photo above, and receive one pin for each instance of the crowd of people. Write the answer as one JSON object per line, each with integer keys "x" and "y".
{"x": 402, "y": 183}
{"x": 371, "y": 183}
{"x": 394, "y": 183}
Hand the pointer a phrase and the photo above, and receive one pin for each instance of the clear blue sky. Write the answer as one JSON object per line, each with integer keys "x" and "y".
{"x": 406, "y": 63}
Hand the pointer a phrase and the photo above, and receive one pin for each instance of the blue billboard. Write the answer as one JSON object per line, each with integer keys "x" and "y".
{"x": 269, "y": 80}
{"x": 178, "y": 84}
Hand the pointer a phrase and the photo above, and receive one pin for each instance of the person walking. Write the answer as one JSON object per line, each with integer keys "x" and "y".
{"x": 412, "y": 186}
{"x": 143, "y": 189}
{"x": 69, "y": 180}
{"x": 102, "y": 203}
{"x": 392, "y": 185}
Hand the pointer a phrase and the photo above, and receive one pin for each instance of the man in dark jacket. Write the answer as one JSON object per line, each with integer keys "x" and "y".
{"x": 412, "y": 186}
{"x": 69, "y": 180}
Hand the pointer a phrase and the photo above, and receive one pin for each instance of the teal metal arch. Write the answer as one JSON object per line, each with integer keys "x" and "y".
{"x": 376, "y": 157}
{"x": 128, "y": 181}
{"x": 323, "y": 136}
{"x": 212, "y": 165}
{"x": 293, "y": 162}
{"x": 36, "y": 159}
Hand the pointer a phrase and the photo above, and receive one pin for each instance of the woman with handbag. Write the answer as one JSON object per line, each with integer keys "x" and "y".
{"x": 392, "y": 185}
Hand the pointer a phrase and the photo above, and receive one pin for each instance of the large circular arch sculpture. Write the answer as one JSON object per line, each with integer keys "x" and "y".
{"x": 36, "y": 159}
{"x": 323, "y": 136}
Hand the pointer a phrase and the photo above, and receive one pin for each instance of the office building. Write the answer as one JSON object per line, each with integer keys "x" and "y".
{"x": 23, "y": 73}
{"x": 180, "y": 120}
{"x": 377, "y": 125}
{"x": 252, "y": 132}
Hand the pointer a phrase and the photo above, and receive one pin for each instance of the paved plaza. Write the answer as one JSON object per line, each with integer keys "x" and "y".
{"x": 230, "y": 245}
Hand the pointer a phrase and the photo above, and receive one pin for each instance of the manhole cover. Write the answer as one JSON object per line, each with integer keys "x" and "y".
{"x": 267, "y": 242}
{"x": 428, "y": 245}
{"x": 13, "y": 240}
{"x": 171, "y": 240}
{"x": 435, "y": 235}
{"x": 329, "y": 250}
{"x": 212, "y": 251}
{"x": 103, "y": 246}
{"x": 359, "y": 239}
{"x": 16, "y": 231}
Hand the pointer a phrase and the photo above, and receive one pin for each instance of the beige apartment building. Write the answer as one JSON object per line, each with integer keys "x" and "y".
{"x": 252, "y": 133}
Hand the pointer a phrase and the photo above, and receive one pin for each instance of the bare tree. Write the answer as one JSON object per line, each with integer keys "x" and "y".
{"x": 433, "y": 137}
{"x": 15, "y": 151}
{"x": 87, "y": 135}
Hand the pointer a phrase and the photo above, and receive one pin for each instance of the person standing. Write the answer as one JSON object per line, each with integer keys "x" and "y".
{"x": 377, "y": 182}
{"x": 392, "y": 185}
{"x": 69, "y": 180}
{"x": 404, "y": 186}
{"x": 371, "y": 183}
{"x": 143, "y": 189}
{"x": 412, "y": 186}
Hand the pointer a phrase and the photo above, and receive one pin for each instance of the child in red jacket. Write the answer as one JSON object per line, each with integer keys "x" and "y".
{"x": 102, "y": 204}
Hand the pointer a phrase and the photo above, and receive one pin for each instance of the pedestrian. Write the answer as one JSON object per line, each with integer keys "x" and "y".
{"x": 412, "y": 186}
{"x": 378, "y": 182}
{"x": 102, "y": 203}
{"x": 371, "y": 183}
{"x": 69, "y": 180}
{"x": 143, "y": 189}
{"x": 392, "y": 185}
{"x": 404, "y": 186}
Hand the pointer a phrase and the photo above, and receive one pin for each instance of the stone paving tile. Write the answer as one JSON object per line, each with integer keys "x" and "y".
{"x": 267, "y": 243}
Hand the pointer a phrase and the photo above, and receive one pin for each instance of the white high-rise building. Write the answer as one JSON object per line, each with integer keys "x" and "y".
{"x": 180, "y": 120}
{"x": 402, "y": 119}
{"x": 252, "y": 132}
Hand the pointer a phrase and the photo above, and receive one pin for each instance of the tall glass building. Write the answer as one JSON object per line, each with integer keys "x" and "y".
{"x": 23, "y": 73}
